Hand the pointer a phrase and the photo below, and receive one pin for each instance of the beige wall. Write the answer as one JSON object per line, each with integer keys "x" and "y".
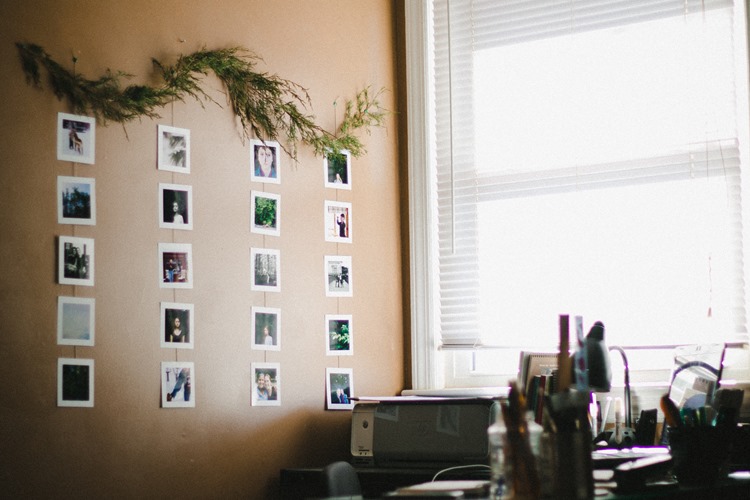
{"x": 224, "y": 447}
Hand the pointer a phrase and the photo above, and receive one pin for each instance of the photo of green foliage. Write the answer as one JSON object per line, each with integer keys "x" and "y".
{"x": 265, "y": 212}
{"x": 266, "y": 209}
{"x": 339, "y": 332}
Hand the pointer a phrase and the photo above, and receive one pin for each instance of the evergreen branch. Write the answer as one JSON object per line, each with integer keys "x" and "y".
{"x": 267, "y": 106}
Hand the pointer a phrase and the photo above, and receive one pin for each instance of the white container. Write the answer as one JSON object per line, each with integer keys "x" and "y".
{"x": 497, "y": 436}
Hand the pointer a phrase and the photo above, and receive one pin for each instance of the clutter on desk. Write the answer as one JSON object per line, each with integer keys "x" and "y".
{"x": 547, "y": 452}
{"x": 543, "y": 447}
{"x": 700, "y": 439}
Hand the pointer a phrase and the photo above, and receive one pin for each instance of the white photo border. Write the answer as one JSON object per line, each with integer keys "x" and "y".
{"x": 188, "y": 213}
{"x": 164, "y": 162}
{"x": 332, "y": 210}
{"x": 334, "y": 183}
{"x": 176, "y": 248}
{"x": 254, "y": 228}
{"x": 167, "y": 386}
{"x": 67, "y": 146}
{"x": 332, "y": 290}
{"x": 339, "y": 318}
{"x": 90, "y": 306}
{"x": 62, "y": 401}
{"x": 330, "y": 388}
{"x": 274, "y": 286}
{"x": 276, "y": 313}
{"x": 66, "y": 182}
{"x": 189, "y": 310}
{"x": 256, "y": 368}
{"x": 88, "y": 246}
{"x": 255, "y": 175}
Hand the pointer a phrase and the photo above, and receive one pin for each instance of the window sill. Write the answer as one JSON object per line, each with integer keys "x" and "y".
{"x": 459, "y": 392}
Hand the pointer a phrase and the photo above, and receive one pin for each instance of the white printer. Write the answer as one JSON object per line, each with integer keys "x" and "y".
{"x": 416, "y": 432}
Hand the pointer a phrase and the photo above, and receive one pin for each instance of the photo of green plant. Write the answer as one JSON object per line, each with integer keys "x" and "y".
{"x": 337, "y": 170}
{"x": 339, "y": 335}
{"x": 265, "y": 215}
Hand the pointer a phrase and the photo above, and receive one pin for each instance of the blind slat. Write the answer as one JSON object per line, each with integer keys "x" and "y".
{"x": 500, "y": 23}
{"x": 461, "y": 185}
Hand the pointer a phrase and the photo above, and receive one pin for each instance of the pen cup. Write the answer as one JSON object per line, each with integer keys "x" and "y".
{"x": 700, "y": 454}
{"x": 573, "y": 475}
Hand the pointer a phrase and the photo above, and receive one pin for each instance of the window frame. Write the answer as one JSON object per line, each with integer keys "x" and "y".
{"x": 427, "y": 362}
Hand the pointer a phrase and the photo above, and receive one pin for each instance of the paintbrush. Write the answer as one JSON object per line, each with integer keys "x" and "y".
{"x": 671, "y": 413}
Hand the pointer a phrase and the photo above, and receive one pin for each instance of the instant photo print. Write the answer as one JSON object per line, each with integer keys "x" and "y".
{"x": 75, "y": 321}
{"x": 266, "y": 329}
{"x": 174, "y": 149}
{"x": 266, "y": 384}
{"x": 177, "y": 384}
{"x": 176, "y": 265}
{"x": 76, "y": 200}
{"x": 75, "y": 382}
{"x": 265, "y": 161}
{"x": 75, "y": 261}
{"x": 76, "y": 138}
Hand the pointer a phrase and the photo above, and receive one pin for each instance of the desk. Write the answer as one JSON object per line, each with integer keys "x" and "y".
{"x": 729, "y": 488}
{"x": 306, "y": 483}
{"x": 303, "y": 483}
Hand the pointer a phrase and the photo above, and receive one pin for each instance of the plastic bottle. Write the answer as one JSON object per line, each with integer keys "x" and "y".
{"x": 496, "y": 436}
{"x": 539, "y": 439}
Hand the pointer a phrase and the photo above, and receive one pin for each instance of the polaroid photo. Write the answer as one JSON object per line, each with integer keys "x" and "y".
{"x": 76, "y": 200}
{"x": 266, "y": 384}
{"x": 339, "y": 388}
{"x": 338, "y": 275}
{"x": 75, "y": 321}
{"x": 174, "y": 149}
{"x": 75, "y": 263}
{"x": 265, "y": 160}
{"x": 176, "y": 265}
{"x": 175, "y": 206}
{"x": 338, "y": 221}
{"x": 266, "y": 329}
{"x": 339, "y": 335}
{"x": 337, "y": 170}
{"x": 177, "y": 330}
{"x": 265, "y": 213}
{"x": 76, "y": 138}
{"x": 266, "y": 269}
{"x": 177, "y": 384}
{"x": 75, "y": 382}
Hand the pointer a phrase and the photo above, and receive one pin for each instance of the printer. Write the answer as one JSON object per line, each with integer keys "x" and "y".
{"x": 416, "y": 432}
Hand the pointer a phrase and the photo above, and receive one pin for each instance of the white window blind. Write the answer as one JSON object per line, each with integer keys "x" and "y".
{"x": 588, "y": 160}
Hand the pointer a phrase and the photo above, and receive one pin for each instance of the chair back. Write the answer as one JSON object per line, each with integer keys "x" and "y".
{"x": 341, "y": 480}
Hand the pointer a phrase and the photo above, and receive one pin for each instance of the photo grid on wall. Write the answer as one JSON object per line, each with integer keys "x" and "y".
{"x": 76, "y": 206}
{"x": 176, "y": 319}
{"x": 337, "y": 273}
{"x": 265, "y": 265}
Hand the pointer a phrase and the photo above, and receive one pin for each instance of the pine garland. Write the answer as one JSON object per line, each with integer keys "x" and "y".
{"x": 269, "y": 107}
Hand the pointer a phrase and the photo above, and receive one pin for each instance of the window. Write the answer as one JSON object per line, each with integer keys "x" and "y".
{"x": 574, "y": 157}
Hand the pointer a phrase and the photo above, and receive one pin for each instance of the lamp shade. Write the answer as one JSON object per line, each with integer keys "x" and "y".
{"x": 597, "y": 359}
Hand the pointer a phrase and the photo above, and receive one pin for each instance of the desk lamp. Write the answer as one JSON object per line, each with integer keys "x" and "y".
{"x": 600, "y": 377}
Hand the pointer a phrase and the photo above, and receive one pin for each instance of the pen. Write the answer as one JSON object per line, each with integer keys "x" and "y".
{"x": 606, "y": 413}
